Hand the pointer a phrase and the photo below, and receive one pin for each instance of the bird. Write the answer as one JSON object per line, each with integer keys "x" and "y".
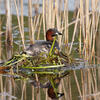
{"x": 51, "y": 92}
{"x": 54, "y": 95}
{"x": 44, "y": 45}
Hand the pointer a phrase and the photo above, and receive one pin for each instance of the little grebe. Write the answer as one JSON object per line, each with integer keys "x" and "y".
{"x": 42, "y": 45}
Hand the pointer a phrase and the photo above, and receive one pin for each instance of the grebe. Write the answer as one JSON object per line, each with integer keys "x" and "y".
{"x": 42, "y": 45}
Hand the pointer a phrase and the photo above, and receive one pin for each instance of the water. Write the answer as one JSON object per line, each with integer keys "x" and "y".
{"x": 23, "y": 86}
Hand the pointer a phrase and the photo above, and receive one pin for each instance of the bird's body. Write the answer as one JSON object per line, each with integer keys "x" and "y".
{"x": 42, "y": 45}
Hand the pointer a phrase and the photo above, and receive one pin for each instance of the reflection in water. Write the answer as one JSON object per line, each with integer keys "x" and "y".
{"x": 45, "y": 75}
{"x": 49, "y": 81}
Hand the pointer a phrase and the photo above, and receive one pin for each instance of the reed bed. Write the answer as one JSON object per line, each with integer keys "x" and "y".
{"x": 83, "y": 28}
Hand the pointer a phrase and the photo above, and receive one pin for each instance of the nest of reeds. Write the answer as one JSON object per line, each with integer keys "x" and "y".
{"x": 51, "y": 65}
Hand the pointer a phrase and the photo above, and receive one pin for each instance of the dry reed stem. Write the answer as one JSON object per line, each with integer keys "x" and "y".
{"x": 80, "y": 38}
{"x": 36, "y": 22}
{"x": 89, "y": 44}
{"x": 63, "y": 85}
{"x": 89, "y": 83}
{"x": 9, "y": 39}
{"x": 1, "y": 87}
{"x": 33, "y": 93}
{"x": 58, "y": 19}
{"x": 95, "y": 82}
{"x": 60, "y": 88}
{"x": 77, "y": 83}
{"x": 85, "y": 77}
{"x": 70, "y": 89}
{"x": 49, "y": 21}
{"x": 75, "y": 28}
{"x": 66, "y": 21}
{"x": 53, "y": 14}
{"x": 67, "y": 85}
{"x": 23, "y": 91}
{"x": 87, "y": 30}
{"x": 77, "y": 20}
{"x": 39, "y": 28}
{"x": 22, "y": 18}
{"x": 1, "y": 80}
{"x": 81, "y": 23}
{"x": 46, "y": 95}
{"x": 44, "y": 21}
{"x": 9, "y": 88}
{"x": 30, "y": 21}
{"x": 0, "y": 41}
{"x": 94, "y": 37}
{"x": 38, "y": 94}
{"x": 82, "y": 81}
{"x": 19, "y": 23}
{"x": 46, "y": 13}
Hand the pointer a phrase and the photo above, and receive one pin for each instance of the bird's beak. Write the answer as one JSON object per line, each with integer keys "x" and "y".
{"x": 57, "y": 33}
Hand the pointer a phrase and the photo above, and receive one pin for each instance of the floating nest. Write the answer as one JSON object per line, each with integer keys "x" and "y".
{"x": 44, "y": 66}
{"x": 41, "y": 67}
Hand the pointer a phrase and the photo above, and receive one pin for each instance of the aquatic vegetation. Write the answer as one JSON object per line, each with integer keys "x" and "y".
{"x": 42, "y": 68}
